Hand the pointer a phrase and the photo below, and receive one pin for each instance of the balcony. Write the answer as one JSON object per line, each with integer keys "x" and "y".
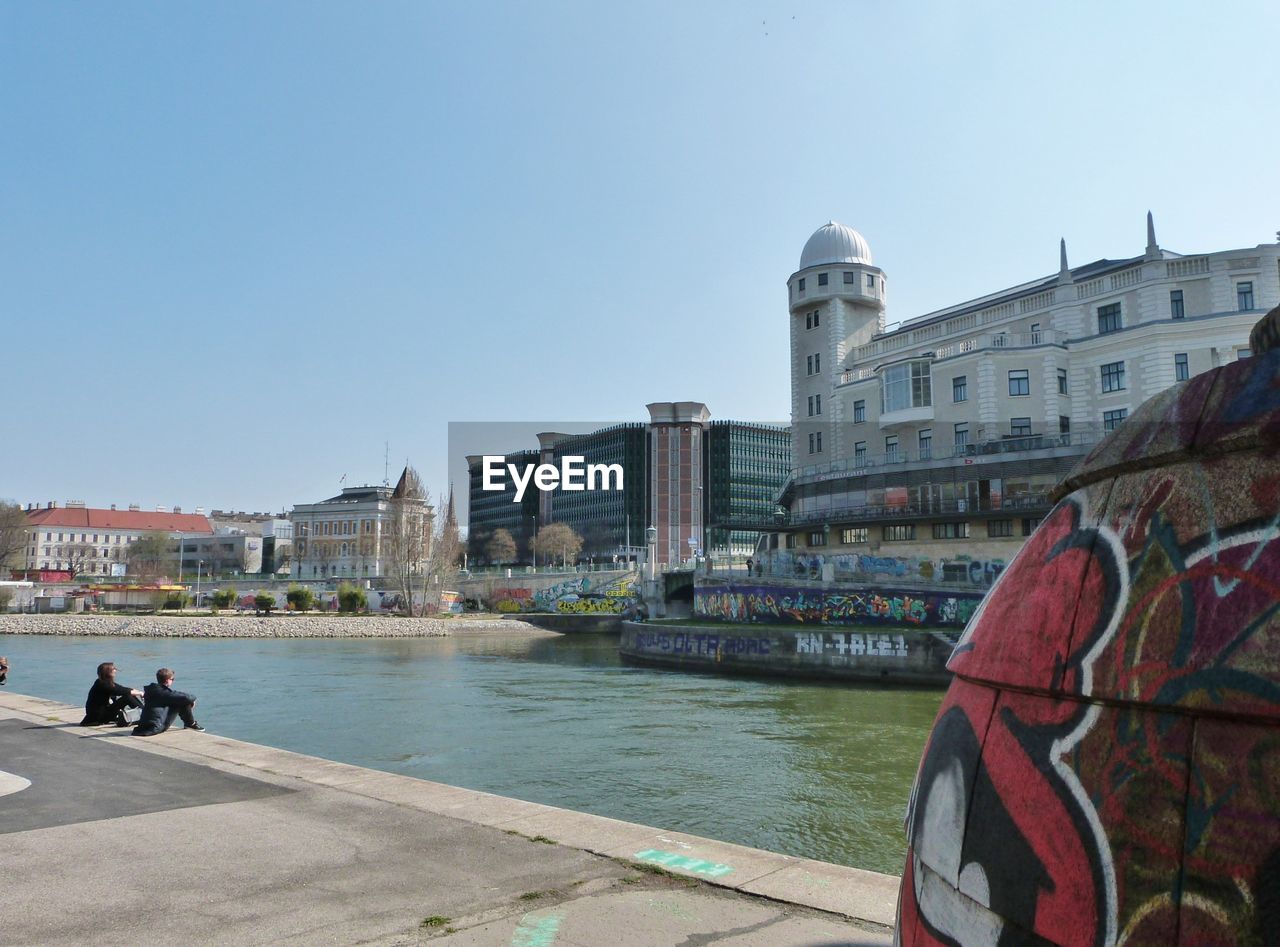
{"x": 1054, "y": 444}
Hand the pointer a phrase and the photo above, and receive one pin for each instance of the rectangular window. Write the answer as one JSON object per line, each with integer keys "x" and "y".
{"x": 1181, "y": 367}
{"x": 902, "y": 532}
{"x": 810, "y": 402}
{"x": 815, "y": 442}
{"x": 1019, "y": 382}
{"x": 1062, "y": 381}
{"x": 791, "y": 540}
{"x": 908, "y": 385}
{"x": 1019, "y": 427}
{"x": 814, "y": 363}
{"x": 817, "y": 538}
{"x": 859, "y": 412}
{"x": 860, "y": 453}
{"x": 1244, "y": 296}
{"x": 998, "y": 529}
{"x": 1064, "y": 424}
{"x": 1175, "y": 304}
{"x": 822, "y": 279}
{"x": 800, "y": 284}
{"x": 856, "y": 534}
{"x": 960, "y": 388}
{"x": 808, "y": 320}
{"x": 848, "y": 277}
{"x": 817, "y": 318}
{"x": 1029, "y": 524}
{"x": 950, "y": 530}
{"x": 926, "y": 444}
{"x": 871, "y": 282}
{"x": 819, "y": 442}
{"x": 1109, "y": 319}
{"x": 1113, "y": 376}
{"x": 1035, "y": 333}
{"x": 1111, "y": 419}
{"x": 891, "y": 448}
{"x": 962, "y": 436}
{"x": 817, "y": 404}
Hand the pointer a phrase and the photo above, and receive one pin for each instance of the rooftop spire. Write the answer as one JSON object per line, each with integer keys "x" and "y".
{"x": 1064, "y": 271}
{"x": 1153, "y": 248}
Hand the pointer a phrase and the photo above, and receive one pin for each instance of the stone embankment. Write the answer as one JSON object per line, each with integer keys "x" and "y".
{"x": 249, "y": 626}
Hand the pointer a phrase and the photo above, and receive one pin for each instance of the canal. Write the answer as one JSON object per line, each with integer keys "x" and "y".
{"x": 816, "y": 770}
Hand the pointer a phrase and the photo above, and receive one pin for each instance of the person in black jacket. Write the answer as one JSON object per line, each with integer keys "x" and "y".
{"x": 107, "y": 699}
{"x": 162, "y": 705}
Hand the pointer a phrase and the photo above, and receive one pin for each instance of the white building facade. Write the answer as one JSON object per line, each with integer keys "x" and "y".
{"x": 948, "y": 432}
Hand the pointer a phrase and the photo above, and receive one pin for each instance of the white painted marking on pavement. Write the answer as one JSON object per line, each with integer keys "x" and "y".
{"x": 11, "y": 783}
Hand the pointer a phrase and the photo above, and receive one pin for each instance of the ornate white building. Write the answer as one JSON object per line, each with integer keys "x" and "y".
{"x": 946, "y": 433}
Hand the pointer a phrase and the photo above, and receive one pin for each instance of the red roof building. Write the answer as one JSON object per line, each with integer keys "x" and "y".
{"x": 87, "y": 541}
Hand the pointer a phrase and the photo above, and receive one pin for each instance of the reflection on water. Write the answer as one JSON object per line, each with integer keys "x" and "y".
{"x": 817, "y": 770}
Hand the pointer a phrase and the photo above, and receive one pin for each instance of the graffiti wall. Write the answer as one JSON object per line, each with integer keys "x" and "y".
{"x": 959, "y": 569}
{"x": 738, "y": 602}
{"x": 1106, "y": 767}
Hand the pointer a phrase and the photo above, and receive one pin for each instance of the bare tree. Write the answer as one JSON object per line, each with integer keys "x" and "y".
{"x": 149, "y": 556}
{"x": 421, "y": 553}
{"x": 501, "y": 547}
{"x": 558, "y": 541}
{"x": 13, "y": 535}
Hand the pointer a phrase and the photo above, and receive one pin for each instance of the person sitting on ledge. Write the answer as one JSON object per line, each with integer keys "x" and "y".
{"x": 163, "y": 704}
{"x": 4, "y": 669}
{"x": 107, "y": 699}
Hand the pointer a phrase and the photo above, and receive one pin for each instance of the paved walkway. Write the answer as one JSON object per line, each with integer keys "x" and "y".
{"x": 196, "y": 838}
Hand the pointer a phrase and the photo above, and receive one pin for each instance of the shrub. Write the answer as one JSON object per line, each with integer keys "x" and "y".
{"x": 176, "y": 600}
{"x": 224, "y": 598}
{"x": 300, "y": 598}
{"x": 264, "y": 602}
{"x": 6, "y": 597}
{"x": 352, "y": 598}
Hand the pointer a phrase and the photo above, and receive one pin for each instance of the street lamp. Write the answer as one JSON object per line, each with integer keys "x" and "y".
{"x": 199, "y": 566}
{"x": 651, "y": 536}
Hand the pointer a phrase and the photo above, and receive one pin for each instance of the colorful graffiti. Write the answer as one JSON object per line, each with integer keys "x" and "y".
{"x": 708, "y": 645}
{"x": 1105, "y": 768}
{"x": 780, "y": 603}
{"x": 959, "y": 569}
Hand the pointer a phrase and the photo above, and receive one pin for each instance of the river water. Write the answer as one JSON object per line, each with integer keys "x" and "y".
{"x": 816, "y": 770}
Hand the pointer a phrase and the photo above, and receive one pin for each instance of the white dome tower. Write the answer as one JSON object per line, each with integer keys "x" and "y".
{"x": 836, "y": 302}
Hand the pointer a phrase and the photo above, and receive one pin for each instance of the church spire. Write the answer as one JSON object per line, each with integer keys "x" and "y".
{"x": 1153, "y": 248}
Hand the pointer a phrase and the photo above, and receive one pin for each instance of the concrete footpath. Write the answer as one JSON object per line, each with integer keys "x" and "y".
{"x": 193, "y": 837}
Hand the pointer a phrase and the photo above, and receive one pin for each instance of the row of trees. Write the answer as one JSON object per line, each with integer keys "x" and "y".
{"x": 556, "y": 542}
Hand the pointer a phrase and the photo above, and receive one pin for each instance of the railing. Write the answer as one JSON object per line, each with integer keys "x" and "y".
{"x": 1008, "y": 445}
{"x": 1016, "y": 504}
{"x": 985, "y": 340}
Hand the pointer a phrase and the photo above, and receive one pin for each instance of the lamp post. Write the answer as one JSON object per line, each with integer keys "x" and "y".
{"x": 651, "y": 537}
{"x": 199, "y": 567}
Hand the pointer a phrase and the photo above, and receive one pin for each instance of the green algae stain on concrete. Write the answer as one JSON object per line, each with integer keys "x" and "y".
{"x": 537, "y": 931}
{"x": 696, "y": 866}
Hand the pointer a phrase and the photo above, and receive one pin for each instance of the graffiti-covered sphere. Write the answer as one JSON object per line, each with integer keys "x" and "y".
{"x": 1105, "y": 768}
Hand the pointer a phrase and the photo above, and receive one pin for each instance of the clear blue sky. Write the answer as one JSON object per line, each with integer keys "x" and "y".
{"x": 242, "y": 245}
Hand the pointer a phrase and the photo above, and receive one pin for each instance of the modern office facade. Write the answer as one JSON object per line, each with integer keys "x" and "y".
{"x": 948, "y": 432}
{"x": 688, "y": 477}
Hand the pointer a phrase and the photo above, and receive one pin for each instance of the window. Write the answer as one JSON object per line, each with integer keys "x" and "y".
{"x": 817, "y": 538}
{"x": 1019, "y": 382}
{"x": 1111, "y": 419}
{"x": 1035, "y": 333}
{"x": 950, "y": 530}
{"x": 1242, "y": 354}
{"x": 848, "y": 277}
{"x": 815, "y": 442}
{"x": 814, "y": 363}
{"x": 822, "y": 279}
{"x": 1062, "y": 381}
{"x": 903, "y": 532}
{"x": 1113, "y": 376}
{"x": 906, "y": 386}
{"x": 1029, "y": 524}
{"x": 813, "y": 319}
{"x": 1064, "y": 424}
{"x": 871, "y": 282}
{"x": 926, "y": 444}
{"x": 1109, "y": 319}
{"x": 860, "y": 453}
{"x": 856, "y": 534}
{"x": 1181, "y": 367}
{"x": 891, "y": 448}
{"x": 791, "y": 540}
{"x": 815, "y": 405}
{"x": 962, "y": 435}
{"x": 1019, "y": 427}
{"x": 859, "y": 412}
{"x": 960, "y": 388}
{"x": 1175, "y": 304}
{"x": 800, "y": 284}
{"x": 1244, "y": 296}
{"x": 998, "y": 529}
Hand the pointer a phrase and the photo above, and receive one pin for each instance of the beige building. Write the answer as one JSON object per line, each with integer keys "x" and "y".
{"x": 944, "y": 435}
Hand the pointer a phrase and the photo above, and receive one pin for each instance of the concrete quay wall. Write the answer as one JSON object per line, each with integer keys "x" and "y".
{"x": 891, "y": 656}
{"x": 249, "y": 626}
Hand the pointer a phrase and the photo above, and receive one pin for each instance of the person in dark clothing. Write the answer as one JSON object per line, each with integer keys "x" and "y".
{"x": 162, "y": 705}
{"x": 4, "y": 669}
{"x": 107, "y": 699}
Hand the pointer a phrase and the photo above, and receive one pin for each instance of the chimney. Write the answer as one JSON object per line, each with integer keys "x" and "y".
{"x": 53, "y": 505}
{"x": 134, "y": 508}
{"x": 199, "y": 511}
{"x": 113, "y": 506}
{"x": 177, "y": 509}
